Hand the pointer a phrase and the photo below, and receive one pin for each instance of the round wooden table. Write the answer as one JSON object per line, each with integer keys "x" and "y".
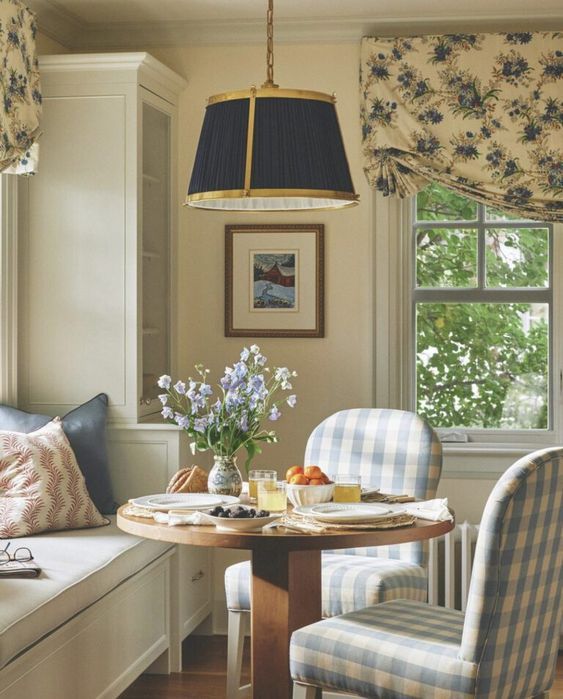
{"x": 286, "y": 581}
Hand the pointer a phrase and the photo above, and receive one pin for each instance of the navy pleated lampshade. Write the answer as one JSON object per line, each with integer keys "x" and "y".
{"x": 271, "y": 149}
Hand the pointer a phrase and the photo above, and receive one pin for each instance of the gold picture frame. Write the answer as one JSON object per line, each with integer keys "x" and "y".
{"x": 274, "y": 280}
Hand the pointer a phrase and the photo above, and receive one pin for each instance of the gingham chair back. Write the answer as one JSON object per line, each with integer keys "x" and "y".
{"x": 393, "y": 450}
{"x": 513, "y": 617}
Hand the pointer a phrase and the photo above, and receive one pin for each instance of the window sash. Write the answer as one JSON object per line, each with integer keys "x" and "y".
{"x": 552, "y": 295}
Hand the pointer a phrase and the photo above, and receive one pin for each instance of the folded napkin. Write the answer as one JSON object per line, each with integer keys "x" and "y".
{"x": 435, "y": 510}
{"x": 175, "y": 518}
{"x": 19, "y": 569}
{"x": 375, "y": 495}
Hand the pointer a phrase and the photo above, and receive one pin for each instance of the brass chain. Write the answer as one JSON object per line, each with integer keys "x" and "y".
{"x": 270, "y": 46}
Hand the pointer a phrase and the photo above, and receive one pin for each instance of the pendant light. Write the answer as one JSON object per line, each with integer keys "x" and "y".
{"x": 271, "y": 149}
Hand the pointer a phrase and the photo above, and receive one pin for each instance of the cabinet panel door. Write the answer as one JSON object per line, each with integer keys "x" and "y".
{"x": 74, "y": 325}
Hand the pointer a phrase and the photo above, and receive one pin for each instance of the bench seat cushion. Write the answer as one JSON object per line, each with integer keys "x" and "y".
{"x": 78, "y": 568}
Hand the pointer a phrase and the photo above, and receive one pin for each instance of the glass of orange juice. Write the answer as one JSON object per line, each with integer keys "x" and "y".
{"x": 272, "y": 495}
{"x": 347, "y": 488}
{"x": 255, "y": 477}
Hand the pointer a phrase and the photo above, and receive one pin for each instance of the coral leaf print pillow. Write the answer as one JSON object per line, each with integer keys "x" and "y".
{"x": 41, "y": 486}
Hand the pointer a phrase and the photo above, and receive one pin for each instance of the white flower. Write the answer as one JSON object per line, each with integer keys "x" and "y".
{"x": 291, "y": 400}
{"x": 254, "y": 349}
{"x": 164, "y": 381}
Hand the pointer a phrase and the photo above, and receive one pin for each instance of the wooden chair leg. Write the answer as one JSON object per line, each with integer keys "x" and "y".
{"x": 306, "y": 691}
{"x": 237, "y": 628}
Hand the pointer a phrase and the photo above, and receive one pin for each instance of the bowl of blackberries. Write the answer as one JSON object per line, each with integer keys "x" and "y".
{"x": 239, "y": 518}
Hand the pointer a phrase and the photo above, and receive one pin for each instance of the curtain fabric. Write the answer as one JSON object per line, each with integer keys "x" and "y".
{"x": 479, "y": 113}
{"x": 20, "y": 89}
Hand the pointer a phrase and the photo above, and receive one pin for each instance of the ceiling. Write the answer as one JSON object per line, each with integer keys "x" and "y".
{"x": 131, "y": 23}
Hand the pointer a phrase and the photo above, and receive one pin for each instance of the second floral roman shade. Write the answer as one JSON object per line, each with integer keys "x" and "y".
{"x": 479, "y": 113}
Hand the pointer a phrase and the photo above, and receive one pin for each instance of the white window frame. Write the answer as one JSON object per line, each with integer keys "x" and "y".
{"x": 394, "y": 334}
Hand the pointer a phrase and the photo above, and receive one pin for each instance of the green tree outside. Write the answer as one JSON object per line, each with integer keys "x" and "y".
{"x": 481, "y": 365}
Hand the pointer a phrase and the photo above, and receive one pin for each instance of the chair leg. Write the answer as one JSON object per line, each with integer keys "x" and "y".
{"x": 306, "y": 691}
{"x": 237, "y": 628}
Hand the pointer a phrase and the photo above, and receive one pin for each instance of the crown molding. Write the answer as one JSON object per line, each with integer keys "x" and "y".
{"x": 69, "y": 30}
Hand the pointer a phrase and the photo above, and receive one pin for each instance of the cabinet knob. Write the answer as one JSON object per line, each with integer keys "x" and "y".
{"x": 198, "y": 576}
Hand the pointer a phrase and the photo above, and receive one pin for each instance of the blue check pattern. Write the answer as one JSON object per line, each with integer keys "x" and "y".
{"x": 503, "y": 647}
{"x": 394, "y": 450}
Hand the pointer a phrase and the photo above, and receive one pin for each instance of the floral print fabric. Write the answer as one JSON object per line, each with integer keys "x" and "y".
{"x": 41, "y": 486}
{"x": 20, "y": 110}
{"x": 479, "y": 113}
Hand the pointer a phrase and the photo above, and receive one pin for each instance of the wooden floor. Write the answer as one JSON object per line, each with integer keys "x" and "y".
{"x": 203, "y": 676}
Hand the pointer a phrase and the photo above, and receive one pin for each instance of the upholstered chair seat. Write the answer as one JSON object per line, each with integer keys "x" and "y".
{"x": 503, "y": 647}
{"x": 394, "y": 450}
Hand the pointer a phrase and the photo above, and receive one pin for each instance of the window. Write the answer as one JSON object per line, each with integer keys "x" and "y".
{"x": 482, "y": 349}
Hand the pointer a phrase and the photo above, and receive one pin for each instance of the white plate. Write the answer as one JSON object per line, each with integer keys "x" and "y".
{"x": 163, "y": 502}
{"x": 241, "y": 525}
{"x": 345, "y": 512}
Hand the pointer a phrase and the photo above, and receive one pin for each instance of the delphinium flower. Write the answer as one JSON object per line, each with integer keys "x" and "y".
{"x": 229, "y": 417}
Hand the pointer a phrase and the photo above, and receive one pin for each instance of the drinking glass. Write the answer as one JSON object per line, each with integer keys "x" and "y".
{"x": 254, "y": 477}
{"x": 272, "y": 495}
{"x": 347, "y": 488}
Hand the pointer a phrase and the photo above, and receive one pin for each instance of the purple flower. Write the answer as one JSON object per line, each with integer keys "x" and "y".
{"x": 205, "y": 389}
{"x": 163, "y": 398}
{"x": 167, "y": 413}
{"x": 245, "y": 354}
{"x": 291, "y": 401}
{"x": 164, "y": 381}
{"x": 260, "y": 360}
{"x": 182, "y": 421}
{"x": 200, "y": 424}
{"x": 274, "y": 414}
{"x": 180, "y": 387}
{"x": 243, "y": 422}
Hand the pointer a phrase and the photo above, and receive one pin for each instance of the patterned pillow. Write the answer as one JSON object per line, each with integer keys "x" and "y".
{"x": 41, "y": 486}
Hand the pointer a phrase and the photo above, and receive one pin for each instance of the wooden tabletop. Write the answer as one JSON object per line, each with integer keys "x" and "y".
{"x": 279, "y": 538}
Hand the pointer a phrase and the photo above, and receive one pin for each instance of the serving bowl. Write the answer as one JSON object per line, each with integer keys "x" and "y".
{"x": 300, "y": 495}
{"x": 247, "y": 524}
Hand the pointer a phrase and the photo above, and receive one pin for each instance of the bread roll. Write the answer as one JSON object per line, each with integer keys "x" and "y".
{"x": 191, "y": 479}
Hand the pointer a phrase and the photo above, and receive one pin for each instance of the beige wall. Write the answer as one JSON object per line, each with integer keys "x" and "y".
{"x": 46, "y": 45}
{"x": 334, "y": 372}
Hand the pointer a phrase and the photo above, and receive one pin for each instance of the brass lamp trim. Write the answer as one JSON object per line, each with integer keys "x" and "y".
{"x": 271, "y": 92}
{"x": 339, "y": 175}
{"x": 243, "y": 193}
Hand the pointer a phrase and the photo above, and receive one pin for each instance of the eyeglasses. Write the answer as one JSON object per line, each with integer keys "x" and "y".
{"x": 21, "y": 554}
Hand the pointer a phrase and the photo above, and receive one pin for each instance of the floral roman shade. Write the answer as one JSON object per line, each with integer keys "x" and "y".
{"x": 479, "y": 113}
{"x": 20, "y": 109}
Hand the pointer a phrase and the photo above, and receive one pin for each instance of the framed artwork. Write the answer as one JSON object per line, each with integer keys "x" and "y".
{"x": 274, "y": 280}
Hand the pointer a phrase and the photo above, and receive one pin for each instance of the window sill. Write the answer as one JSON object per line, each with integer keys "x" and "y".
{"x": 483, "y": 461}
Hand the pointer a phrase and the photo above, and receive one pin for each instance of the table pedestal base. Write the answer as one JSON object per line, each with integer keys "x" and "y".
{"x": 286, "y": 595}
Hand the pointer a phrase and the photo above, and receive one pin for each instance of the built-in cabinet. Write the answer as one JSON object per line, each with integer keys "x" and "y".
{"x": 97, "y": 236}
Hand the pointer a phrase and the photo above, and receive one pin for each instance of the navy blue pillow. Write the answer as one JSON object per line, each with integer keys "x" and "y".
{"x": 85, "y": 428}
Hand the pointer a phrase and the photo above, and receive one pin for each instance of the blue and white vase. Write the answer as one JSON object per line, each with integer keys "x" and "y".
{"x": 224, "y": 478}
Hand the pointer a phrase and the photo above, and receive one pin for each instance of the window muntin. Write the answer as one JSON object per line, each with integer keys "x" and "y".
{"x": 482, "y": 306}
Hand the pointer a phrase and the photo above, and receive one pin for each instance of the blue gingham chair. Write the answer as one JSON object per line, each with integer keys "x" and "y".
{"x": 394, "y": 450}
{"x": 503, "y": 647}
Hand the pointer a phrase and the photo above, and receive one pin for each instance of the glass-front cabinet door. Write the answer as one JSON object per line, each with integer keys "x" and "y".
{"x": 156, "y": 227}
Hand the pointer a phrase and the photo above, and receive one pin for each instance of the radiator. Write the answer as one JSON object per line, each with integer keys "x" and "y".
{"x": 449, "y": 566}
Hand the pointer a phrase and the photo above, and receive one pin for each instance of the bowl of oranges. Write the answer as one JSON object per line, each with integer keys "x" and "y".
{"x": 308, "y": 485}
